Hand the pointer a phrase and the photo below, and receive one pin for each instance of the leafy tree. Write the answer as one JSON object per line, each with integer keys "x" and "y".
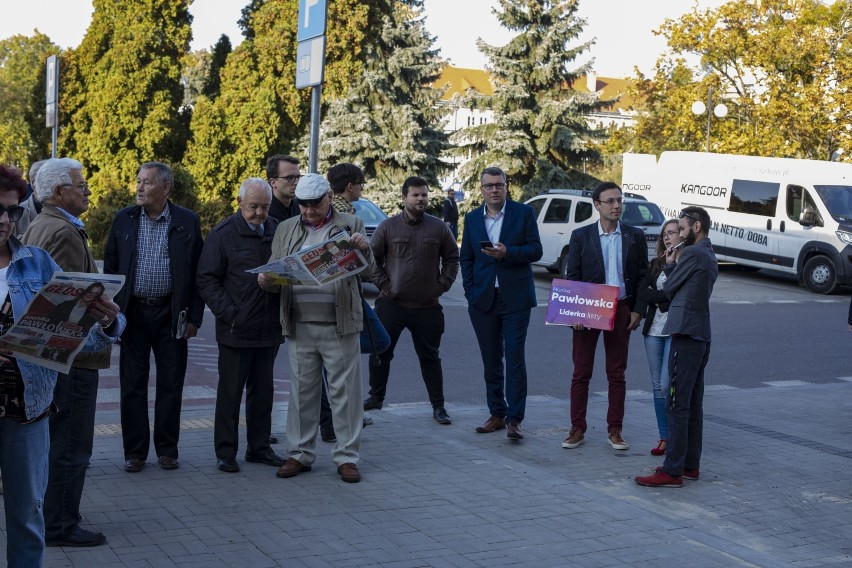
{"x": 123, "y": 89}
{"x": 259, "y": 112}
{"x": 23, "y": 135}
{"x": 539, "y": 134}
{"x": 389, "y": 122}
{"x": 782, "y": 68}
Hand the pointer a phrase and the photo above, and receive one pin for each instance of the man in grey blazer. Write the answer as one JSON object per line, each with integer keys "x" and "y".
{"x": 689, "y": 284}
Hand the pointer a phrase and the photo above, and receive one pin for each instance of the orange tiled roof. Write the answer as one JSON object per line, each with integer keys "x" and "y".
{"x": 458, "y": 80}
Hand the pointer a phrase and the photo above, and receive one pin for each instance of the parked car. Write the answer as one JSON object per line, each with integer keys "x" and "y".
{"x": 560, "y": 211}
{"x": 370, "y": 214}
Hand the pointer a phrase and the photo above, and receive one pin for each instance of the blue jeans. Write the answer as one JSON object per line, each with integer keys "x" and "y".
{"x": 23, "y": 459}
{"x": 72, "y": 431}
{"x": 658, "y": 349}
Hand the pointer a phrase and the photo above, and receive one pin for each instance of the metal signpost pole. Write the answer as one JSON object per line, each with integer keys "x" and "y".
{"x": 310, "y": 65}
{"x": 51, "y": 120}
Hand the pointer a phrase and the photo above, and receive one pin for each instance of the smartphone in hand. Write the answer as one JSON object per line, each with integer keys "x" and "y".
{"x": 486, "y": 244}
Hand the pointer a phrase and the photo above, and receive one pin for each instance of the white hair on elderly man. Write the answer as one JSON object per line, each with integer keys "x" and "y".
{"x": 54, "y": 172}
{"x": 254, "y": 183}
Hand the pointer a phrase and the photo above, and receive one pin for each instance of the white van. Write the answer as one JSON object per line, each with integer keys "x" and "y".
{"x": 560, "y": 211}
{"x": 785, "y": 214}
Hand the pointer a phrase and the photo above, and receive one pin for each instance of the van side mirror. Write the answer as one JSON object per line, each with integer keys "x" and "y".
{"x": 808, "y": 217}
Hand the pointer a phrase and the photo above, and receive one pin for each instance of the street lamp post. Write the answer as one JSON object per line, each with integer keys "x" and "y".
{"x": 698, "y": 108}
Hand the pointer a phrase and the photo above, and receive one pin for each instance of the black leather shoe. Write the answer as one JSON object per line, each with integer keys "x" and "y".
{"x": 373, "y": 404}
{"x": 440, "y": 415}
{"x": 228, "y": 465}
{"x": 328, "y": 436}
{"x": 266, "y": 458}
{"x": 514, "y": 431}
{"x": 273, "y": 440}
{"x": 134, "y": 465}
{"x": 78, "y": 537}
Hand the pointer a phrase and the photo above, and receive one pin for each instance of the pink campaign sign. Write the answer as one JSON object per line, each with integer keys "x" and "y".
{"x": 592, "y": 305}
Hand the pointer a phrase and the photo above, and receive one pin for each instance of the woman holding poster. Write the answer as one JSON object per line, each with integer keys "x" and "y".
{"x": 654, "y": 304}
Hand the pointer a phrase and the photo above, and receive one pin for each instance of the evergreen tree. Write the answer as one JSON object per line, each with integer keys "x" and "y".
{"x": 23, "y": 135}
{"x": 195, "y": 74}
{"x": 121, "y": 96}
{"x": 220, "y": 53}
{"x": 259, "y": 112}
{"x": 389, "y": 122}
{"x": 123, "y": 89}
{"x": 539, "y": 134}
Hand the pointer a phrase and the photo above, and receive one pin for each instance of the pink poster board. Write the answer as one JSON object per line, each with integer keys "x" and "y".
{"x": 592, "y": 305}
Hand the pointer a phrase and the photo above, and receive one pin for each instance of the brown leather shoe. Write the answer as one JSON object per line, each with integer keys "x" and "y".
{"x": 291, "y": 468}
{"x": 167, "y": 462}
{"x": 492, "y": 425}
{"x": 349, "y": 473}
{"x": 134, "y": 465}
{"x": 514, "y": 431}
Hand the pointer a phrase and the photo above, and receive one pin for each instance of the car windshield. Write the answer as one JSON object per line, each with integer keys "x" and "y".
{"x": 642, "y": 213}
{"x": 838, "y": 200}
{"x": 368, "y": 212}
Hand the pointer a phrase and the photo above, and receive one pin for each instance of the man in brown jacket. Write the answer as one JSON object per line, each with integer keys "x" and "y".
{"x": 417, "y": 260}
{"x": 57, "y": 229}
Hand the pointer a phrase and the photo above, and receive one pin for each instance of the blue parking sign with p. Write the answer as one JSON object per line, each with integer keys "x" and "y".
{"x": 311, "y": 19}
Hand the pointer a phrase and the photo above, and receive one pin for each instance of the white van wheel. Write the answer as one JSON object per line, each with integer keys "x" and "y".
{"x": 819, "y": 275}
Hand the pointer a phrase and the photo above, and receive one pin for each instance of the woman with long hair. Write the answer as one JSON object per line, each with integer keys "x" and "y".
{"x": 654, "y": 303}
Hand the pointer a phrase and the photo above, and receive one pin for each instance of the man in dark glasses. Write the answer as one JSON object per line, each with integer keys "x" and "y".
{"x": 689, "y": 284}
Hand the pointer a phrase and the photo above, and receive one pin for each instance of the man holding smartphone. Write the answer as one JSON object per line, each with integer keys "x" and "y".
{"x": 499, "y": 244}
{"x": 689, "y": 284}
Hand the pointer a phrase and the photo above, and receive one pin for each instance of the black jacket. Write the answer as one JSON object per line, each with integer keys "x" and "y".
{"x": 246, "y": 315}
{"x": 184, "y": 249}
{"x": 586, "y": 263}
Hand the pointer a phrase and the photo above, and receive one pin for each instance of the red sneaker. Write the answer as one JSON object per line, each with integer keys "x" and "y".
{"x": 659, "y": 479}
{"x": 690, "y": 474}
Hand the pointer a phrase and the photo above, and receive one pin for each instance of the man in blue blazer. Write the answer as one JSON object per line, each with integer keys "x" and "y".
{"x": 499, "y": 244}
{"x": 606, "y": 252}
{"x": 689, "y": 284}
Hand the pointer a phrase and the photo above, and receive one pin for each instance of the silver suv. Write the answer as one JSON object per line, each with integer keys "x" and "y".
{"x": 560, "y": 211}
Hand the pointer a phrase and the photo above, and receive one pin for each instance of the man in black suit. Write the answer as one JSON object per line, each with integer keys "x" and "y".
{"x": 450, "y": 212}
{"x": 689, "y": 284}
{"x": 500, "y": 292}
{"x": 607, "y": 252}
{"x": 155, "y": 244}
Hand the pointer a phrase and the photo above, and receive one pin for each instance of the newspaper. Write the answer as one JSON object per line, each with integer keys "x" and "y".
{"x": 318, "y": 265}
{"x": 57, "y": 321}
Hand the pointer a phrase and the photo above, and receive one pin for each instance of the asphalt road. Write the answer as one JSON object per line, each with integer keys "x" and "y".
{"x": 765, "y": 328}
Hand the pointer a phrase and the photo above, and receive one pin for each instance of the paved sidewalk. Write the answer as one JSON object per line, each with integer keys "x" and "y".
{"x": 774, "y": 491}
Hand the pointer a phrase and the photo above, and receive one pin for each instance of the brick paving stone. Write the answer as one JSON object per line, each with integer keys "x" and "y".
{"x": 448, "y": 497}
